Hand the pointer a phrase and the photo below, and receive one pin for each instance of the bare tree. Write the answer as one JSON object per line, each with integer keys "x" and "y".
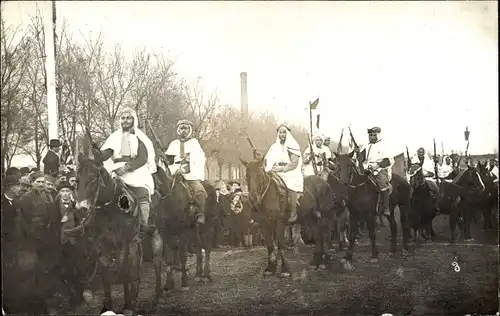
{"x": 200, "y": 109}
{"x": 15, "y": 58}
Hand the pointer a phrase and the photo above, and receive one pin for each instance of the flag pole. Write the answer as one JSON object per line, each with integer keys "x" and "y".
{"x": 50, "y": 66}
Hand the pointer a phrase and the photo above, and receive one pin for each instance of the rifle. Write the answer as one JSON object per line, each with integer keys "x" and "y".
{"x": 339, "y": 146}
{"x": 256, "y": 154}
{"x": 352, "y": 137}
{"x": 361, "y": 157}
{"x": 162, "y": 155}
{"x": 313, "y": 159}
{"x": 408, "y": 159}
{"x": 435, "y": 163}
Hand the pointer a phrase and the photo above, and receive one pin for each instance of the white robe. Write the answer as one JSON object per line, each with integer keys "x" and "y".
{"x": 375, "y": 153}
{"x": 141, "y": 177}
{"x": 294, "y": 179}
{"x": 494, "y": 172}
{"x": 427, "y": 166}
{"x": 308, "y": 168}
{"x": 196, "y": 158}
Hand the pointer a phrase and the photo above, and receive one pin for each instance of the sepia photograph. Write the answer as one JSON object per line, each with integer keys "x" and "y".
{"x": 249, "y": 158}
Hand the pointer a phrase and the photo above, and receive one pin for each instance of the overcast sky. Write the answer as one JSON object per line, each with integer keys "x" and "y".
{"x": 418, "y": 70}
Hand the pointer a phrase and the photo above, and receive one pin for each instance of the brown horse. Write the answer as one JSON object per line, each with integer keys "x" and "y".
{"x": 111, "y": 222}
{"x": 362, "y": 202}
{"x": 469, "y": 190}
{"x": 423, "y": 204}
{"x": 317, "y": 209}
{"x": 178, "y": 230}
{"x": 271, "y": 213}
{"x": 490, "y": 200}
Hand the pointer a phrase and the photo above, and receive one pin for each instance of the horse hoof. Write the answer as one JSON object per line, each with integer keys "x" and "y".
{"x": 198, "y": 279}
{"x": 322, "y": 267}
{"x": 469, "y": 239}
{"x": 206, "y": 279}
{"x": 347, "y": 265}
{"x": 158, "y": 301}
{"x": 373, "y": 260}
{"x": 184, "y": 289}
{"x": 284, "y": 275}
{"x": 128, "y": 312}
{"x": 392, "y": 254}
{"x": 268, "y": 273}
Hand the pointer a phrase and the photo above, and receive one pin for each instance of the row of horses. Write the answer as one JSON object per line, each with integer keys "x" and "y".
{"x": 110, "y": 220}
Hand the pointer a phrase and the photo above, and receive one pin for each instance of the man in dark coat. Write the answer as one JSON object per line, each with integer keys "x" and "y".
{"x": 51, "y": 160}
{"x": 71, "y": 257}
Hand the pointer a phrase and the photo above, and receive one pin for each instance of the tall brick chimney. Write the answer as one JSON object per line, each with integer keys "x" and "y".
{"x": 244, "y": 95}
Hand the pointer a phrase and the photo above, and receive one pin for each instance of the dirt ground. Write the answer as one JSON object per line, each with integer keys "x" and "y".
{"x": 423, "y": 284}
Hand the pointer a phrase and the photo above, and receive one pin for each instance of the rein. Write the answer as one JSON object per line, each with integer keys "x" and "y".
{"x": 266, "y": 188}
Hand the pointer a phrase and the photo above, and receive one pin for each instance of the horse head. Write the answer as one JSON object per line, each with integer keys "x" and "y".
{"x": 95, "y": 187}
{"x": 416, "y": 175}
{"x": 470, "y": 179}
{"x": 256, "y": 177}
{"x": 346, "y": 168}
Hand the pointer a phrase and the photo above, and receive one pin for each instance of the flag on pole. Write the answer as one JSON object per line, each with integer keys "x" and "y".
{"x": 317, "y": 121}
{"x": 314, "y": 105}
{"x": 66, "y": 155}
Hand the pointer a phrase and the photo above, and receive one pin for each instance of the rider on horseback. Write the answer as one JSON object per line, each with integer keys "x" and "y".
{"x": 379, "y": 165}
{"x": 185, "y": 155}
{"x": 133, "y": 161}
{"x": 319, "y": 152}
{"x": 285, "y": 159}
{"x": 427, "y": 168}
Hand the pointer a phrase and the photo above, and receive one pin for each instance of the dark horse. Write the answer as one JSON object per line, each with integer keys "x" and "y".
{"x": 490, "y": 196}
{"x": 178, "y": 229}
{"x": 423, "y": 204}
{"x": 271, "y": 213}
{"x": 467, "y": 192}
{"x": 362, "y": 200}
{"x": 317, "y": 209}
{"x": 110, "y": 220}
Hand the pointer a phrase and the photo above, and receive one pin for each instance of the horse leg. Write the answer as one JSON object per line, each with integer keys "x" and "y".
{"x": 371, "y": 232}
{"x": 394, "y": 231}
{"x": 280, "y": 241}
{"x": 169, "y": 249}
{"x": 158, "y": 253}
{"x": 183, "y": 257}
{"x": 405, "y": 226}
{"x": 108, "y": 300}
{"x": 453, "y": 224}
{"x": 352, "y": 237}
{"x": 206, "y": 264}
{"x": 316, "y": 260}
{"x": 199, "y": 261}
{"x": 271, "y": 255}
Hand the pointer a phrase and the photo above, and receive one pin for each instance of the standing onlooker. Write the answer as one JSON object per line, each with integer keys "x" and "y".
{"x": 51, "y": 161}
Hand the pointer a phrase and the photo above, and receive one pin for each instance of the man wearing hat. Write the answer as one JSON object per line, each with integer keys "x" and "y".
{"x": 129, "y": 153}
{"x": 71, "y": 257}
{"x": 186, "y": 156}
{"x": 50, "y": 187}
{"x": 51, "y": 160}
{"x": 379, "y": 164}
{"x": 233, "y": 185}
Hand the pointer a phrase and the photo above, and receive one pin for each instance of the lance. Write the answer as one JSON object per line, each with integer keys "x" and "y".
{"x": 339, "y": 146}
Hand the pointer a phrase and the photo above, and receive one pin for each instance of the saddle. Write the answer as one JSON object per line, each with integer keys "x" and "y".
{"x": 127, "y": 200}
{"x": 282, "y": 188}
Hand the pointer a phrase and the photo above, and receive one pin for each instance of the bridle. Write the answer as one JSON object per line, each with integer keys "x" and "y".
{"x": 263, "y": 177}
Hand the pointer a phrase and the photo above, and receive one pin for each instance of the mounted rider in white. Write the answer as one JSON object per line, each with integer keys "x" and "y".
{"x": 285, "y": 159}
{"x": 422, "y": 159}
{"x": 318, "y": 152}
{"x": 186, "y": 156}
{"x": 379, "y": 163}
{"x": 133, "y": 161}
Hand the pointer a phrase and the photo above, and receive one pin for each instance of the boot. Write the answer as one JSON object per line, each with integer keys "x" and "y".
{"x": 384, "y": 207}
{"x": 292, "y": 205}
{"x": 145, "y": 226}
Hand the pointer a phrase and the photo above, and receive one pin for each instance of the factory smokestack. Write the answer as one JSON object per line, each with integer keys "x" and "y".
{"x": 244, "y": 95}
